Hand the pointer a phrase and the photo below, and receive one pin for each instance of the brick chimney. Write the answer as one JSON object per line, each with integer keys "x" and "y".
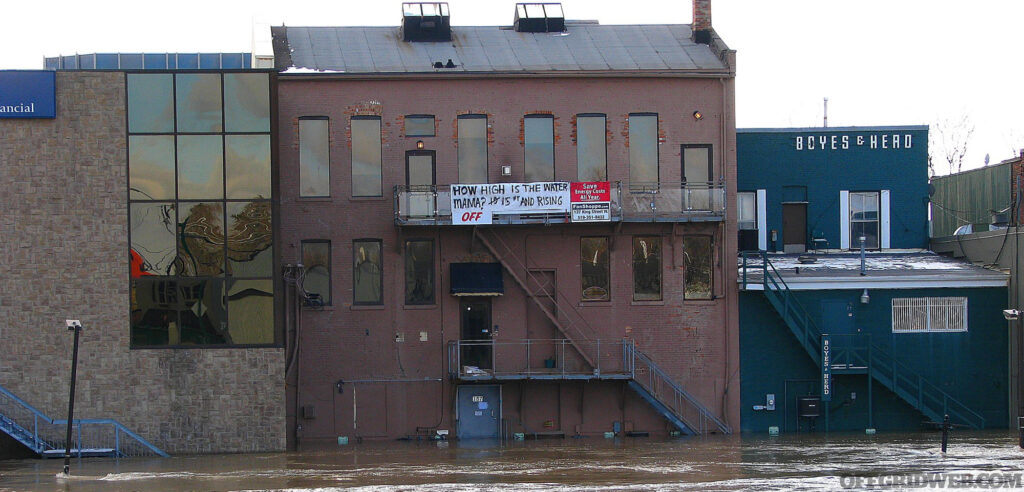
{"x": 701, "y": 21}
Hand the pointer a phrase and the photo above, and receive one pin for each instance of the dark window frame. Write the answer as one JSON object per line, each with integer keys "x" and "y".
{"x": 433, "y": 271}
{"x": 661, "y": 267}
{"x": 604, "y": 138}
{"x": 526, "y": 164}
{"x": 330, "y": 267}
{"x": 711, "y": 268}
{"x": 487, "y": 145}
{"x": 854, "y": 243}
{"x": 657, "y": 146}
{"x": 380, "y": 273}
{"x": 433, "y": 125}
{"x": 317, "y": 118}
{"x": 607, "y": 271}
{"x": 352, "y": 149}
{"x": 711, "y": 161}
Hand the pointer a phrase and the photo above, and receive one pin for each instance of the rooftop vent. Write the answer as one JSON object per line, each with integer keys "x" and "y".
{"x": 426, "y": 22}
{"x": 539, "y": 17}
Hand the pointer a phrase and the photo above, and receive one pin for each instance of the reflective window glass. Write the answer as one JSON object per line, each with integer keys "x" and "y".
{"x": 314, "y": 157}
{"x": 200, "y": 167}
{"x": 472, "y": 149}
{"x": 591, "y": 155}
{"x": 198, "y": 102}
{"x": 246, "y": 102}
{"x": 697, "y": 176}
{"x": 151, "y": 167}
{"x": 316, "y": 260}
{"x": 153, "y": 234}
{"x": 419, "y": 126}
{"x": 202, "y": 313}
{"x": 746, "y": 210}
{"x": 419, "y": 272}
{"x": 150, "y": 103}
{"x": 250, "y": 239}
{"x": 201, "y": 239}
{"x": 153, "y": 310}
{"x": 366, "y": 272}
{"x": 697, "y": 258}
{"x": 366, "y": 156}
{"x": 594, "y": 268}
{"x": 539, "y": 138}
{"x": 647, "y": 268}
{"x": 864, "y": 219}
{"x": 251, "y": 311}
{"x": 247, "y": 166}
{"x": 643, "y": 148}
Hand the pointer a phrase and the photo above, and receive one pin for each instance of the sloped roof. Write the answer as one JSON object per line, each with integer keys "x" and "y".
{"x": 583, "y": 47}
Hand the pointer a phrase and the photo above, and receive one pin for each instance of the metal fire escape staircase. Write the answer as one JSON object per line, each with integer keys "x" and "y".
{"x": 655, "y": 386}
{"x": 46, "y": 436}
{"x": 856, "y": 354}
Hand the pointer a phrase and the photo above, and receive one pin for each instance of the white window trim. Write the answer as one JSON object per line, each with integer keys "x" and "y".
{"x": 916, "y": 314}
{"x": 883, "y": 219}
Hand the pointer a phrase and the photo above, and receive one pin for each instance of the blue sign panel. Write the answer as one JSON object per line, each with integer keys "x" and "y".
{"x": 826, "y": 368}
{"x": 28, "y": 94}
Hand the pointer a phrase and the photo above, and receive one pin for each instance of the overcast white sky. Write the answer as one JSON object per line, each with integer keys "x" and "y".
{"x": 880, "y": 62}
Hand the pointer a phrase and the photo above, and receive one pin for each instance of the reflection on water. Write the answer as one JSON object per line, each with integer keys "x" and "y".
{"x": 791, "y": 462}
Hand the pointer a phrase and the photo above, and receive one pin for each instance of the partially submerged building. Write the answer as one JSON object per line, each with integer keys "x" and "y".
{"x": 847, "y": 321}
{"x": 507, "y": 230}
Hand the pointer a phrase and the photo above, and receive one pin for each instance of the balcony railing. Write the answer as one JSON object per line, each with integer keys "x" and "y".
{"x": 630, "y": 202}
{"x": 539, "y": 359}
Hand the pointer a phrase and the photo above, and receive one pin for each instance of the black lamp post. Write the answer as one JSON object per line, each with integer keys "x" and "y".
{"x": 76, "y": 326}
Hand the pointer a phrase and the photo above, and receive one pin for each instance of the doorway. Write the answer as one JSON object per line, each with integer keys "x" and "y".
{"x": 794, "y": 227}
{"x": 419, "y": 177}
{"x": 475, "y": 321}
{"x": 478, "y": 411}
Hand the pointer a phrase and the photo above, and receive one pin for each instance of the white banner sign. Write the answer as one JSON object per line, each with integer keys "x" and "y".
{"x": 476, "y": 203}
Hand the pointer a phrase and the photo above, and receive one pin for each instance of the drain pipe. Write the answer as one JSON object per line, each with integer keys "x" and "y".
{"x": 862, "y": 255}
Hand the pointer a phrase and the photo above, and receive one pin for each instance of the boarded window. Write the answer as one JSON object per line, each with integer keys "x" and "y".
{"x": 316, "y": 263}
{"x": 367, "y": 274}
{"x": 594, "y": 275}
{"x": 697, "y": 259}
{"x": 419, "y": 125}
{"x": 366, "y": 156}
{"x": 591, "y": 152}
{"x": 539, "y": 139}
{"x": 647, "y": 268}
{"x": 472, "y": 148}
{"x": 643, "y": 148}
{"x": 314, "y": 157}
{"x": 419, "y": 271}
{"x": 929, "y": 314}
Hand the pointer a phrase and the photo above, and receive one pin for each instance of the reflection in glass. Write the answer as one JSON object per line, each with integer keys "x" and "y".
{"x": 594, "y": 268}
{"x": 251, "y": 311}
{"x": 202, "y": 319}
{"x": 746, "y": 210}
{"x": 647, "y": 268}
{"x": 539, "y": 138}
{"x": 697, "y": 176}
{"x": 168, "y": 311}
{"x": 150, "y": 105}
{"x": 201, "y": 239}
{"x": 250, "y": 239}
{"x": 246, "y": 102}
{"x": 200, "y": 167}
{"x": 591, "y": 156}
{"x": 643, "y": 148}
{"x": 314, "y": 158}
{"x": 473, "y": 149}
{"x": 366, "y": 155}
{"x": 366, "y": 272}
{"x": 316, "y": 259}
{"x": 864, "y": 219}
{"x": 419, "y": 272}
{"x": 419, "y": 126}
{"x": 247, "y": 166}
{"x": 152, "y": 232}
{"x": 697, "y": 261}
{"x": 151, "y": 167}
{"x": 198, "y": 102}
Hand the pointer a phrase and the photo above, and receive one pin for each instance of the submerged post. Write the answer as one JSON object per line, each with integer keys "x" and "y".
{"x": 76, "y": 326}
{"x": 945, "y": 432}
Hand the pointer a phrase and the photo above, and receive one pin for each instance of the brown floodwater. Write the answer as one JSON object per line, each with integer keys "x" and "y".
{"x": 788, "y": 462}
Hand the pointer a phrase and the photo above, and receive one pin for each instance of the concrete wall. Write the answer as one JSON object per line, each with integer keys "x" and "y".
{"x": 65, "y": 244}
{"x": 693, "y": 340}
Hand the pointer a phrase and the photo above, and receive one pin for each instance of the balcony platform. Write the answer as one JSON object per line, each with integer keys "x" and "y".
{"x": 541, "y": 376}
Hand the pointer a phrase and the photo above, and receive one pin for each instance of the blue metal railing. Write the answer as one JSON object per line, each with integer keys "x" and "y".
{"x": 45, "y": 436}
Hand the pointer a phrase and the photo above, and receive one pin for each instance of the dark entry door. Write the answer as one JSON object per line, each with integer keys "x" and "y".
{"x": 479, "y": 411}
{"x": 475, "y": 318}
{"x": 419, "y": 176}
{"x": 794, "y": 227}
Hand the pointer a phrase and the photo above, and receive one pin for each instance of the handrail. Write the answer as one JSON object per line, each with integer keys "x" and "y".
{"x": 41, "y": 444}
{"x": 522, "y": 358}
{"x": 791, "y": 306}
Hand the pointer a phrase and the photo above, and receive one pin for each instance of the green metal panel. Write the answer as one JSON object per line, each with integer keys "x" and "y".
{"x": 969, "y": 198}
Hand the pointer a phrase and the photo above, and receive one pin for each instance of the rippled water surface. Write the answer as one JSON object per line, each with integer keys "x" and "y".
{"x": 790, "y": 462}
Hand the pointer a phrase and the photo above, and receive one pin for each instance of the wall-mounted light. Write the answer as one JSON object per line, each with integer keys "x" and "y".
{"x": 419, "y": 145}
{"x": 697, "y": 115}
{"x": 865, "y": 298}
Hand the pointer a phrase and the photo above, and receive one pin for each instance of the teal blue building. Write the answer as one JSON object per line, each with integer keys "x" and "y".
{"x": 833, "y": 339}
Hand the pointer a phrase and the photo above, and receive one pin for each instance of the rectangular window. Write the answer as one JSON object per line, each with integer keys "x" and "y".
{"x": 366, "y": 156}
{"x": 746, "y": 210}
{"x": 472, "y": 148}
{"x": 419, "y": 271}
{"x": 647, "y": 268}
{"x": 419, "y": 125}
{"x": 367, "y": 275}
{"x": 314, "y": 157}
{"x": 594, "y": 267}
{"x": 591, "y": 149}
{"x": 643, "y": 148}
{"x": 697, "y": 259}
{"x": 539, "y": 143}
{"x": 864, "y": 219}
{"x": 316, "y": 267}
{"x": 697, "y": 176}
{"x": 929, "y": 314}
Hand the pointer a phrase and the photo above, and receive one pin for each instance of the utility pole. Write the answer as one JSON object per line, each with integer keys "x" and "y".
{"x": 76, "y": 326}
